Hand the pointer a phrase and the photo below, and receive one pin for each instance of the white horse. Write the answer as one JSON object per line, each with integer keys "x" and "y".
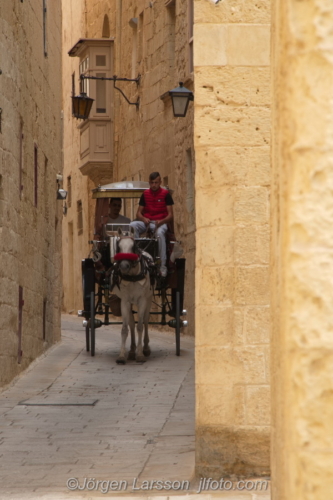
{"x": 131, "y": 282}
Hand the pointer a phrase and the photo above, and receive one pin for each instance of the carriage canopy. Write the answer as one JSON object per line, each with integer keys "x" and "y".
{"x": 123, "y": 189}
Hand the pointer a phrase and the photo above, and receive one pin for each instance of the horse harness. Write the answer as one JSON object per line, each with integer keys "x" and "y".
{"x": 146, "y": 263}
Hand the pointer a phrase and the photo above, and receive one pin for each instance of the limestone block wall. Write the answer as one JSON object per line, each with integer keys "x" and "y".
{"x": 30, "y": 158}
{"x": 151, "y": 138}
{"x": 77, "y": 229}
{"x": 302, "y": 287}
{"x": 232, "y": 182}
{"x": 145, "y": 140}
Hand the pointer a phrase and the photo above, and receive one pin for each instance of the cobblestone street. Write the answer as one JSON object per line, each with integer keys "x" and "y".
{"x": 74, "y": 416}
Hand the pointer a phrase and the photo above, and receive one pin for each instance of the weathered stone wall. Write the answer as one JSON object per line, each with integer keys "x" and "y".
{"x": 75, "y": 240}
{"x": 151, "y": 138}
{"x": 30, "y": 158}
{"x": 80, "y": 20}
{"x": 232, "y": 147}
{"x": 302, "y": 286}
{"x": 144, "y": 140}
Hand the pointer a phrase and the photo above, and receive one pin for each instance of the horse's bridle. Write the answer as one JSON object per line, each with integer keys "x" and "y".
{"x": 147, "y": 267}
{"x": 133, "y": 257}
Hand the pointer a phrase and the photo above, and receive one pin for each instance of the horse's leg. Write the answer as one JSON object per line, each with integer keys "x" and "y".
{"x": 141, "y": 312}
{"x": 146, "y": 348}
{"x": 125, "y": 312}
{"x": 131, "y": 354}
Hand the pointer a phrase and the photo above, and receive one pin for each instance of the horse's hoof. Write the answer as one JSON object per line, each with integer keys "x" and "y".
{"x": 131, "y": 355}
{"x": 121, "y": 361}
{"x": 140, "y": 359}
{"x": 146, "y": 352}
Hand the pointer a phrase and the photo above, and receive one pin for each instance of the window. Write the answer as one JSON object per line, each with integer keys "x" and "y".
{"x": 46, "y": 190}
{"x": 101, "y": 61}
{"x": 106, "y": 27}
{"x": 134, "y": 25}
{"x": 100, "y": 93}
{"x": 19, "y": 329}
{"x": 44, "y": 318}
{"x": 141, "y": 40}
{"x": 35, "y": 175}
{"x": 69, "y": 191}
{"x": 190, "y": 34}
{"x": 190, "y": 191}
{"x": 171, "y": 44}
{"x": 84, "y": 67}
{"x": 45, "y": 27}
{"x": 79, "y": 217}
{"x": 73, "y": 90}
{"x": 21, "y": 160}
{"x": 73, "y": 83}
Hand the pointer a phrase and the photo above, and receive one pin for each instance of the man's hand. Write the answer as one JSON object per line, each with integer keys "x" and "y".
{"x": 158, "y": 223}
{"x": 141, "y": 217}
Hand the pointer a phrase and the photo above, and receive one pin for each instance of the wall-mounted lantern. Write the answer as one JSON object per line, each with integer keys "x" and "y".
{"x": 61, "y": 194}
{"x": 181, "y": 96}
{"x": 82, "y": 104}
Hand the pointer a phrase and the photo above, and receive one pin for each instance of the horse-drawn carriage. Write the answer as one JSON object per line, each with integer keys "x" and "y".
{"x": 124, "y": 270}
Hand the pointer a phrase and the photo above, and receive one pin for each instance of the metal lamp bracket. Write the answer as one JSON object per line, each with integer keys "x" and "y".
{"x": 116, "y": 79}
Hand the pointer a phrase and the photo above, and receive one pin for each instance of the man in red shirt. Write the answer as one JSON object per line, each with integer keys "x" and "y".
{"x": 154, "y": 212}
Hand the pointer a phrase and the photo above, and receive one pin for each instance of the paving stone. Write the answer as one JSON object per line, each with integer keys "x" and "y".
{"x": 142, "y": 425}
{"x": 46, "y": 441}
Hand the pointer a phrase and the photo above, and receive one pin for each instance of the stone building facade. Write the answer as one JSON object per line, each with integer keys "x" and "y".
{"x": 30, "y": 159}
{"x": 151, "y": 40}
{"x": 79, "y": 217}
{"x": 262, "y": 224}
{"x": 217, "y": 160}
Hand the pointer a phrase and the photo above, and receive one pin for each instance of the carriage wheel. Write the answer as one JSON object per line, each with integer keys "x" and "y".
{"x": 92, "y": 323}
{"x": 88, "y": 283}
{"x": 87, "y": 339}
{"x": 177, "y": 329}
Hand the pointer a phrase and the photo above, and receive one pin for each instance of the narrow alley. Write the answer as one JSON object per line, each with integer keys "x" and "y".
{"x": 77, "y": 416}
{"x": 76, "y": 426}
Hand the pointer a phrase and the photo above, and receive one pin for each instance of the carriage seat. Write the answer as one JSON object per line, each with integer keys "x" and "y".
{"x": 111, "y": 229}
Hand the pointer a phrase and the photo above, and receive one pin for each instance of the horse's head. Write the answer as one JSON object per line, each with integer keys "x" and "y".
{"x": 127, "y": 254}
